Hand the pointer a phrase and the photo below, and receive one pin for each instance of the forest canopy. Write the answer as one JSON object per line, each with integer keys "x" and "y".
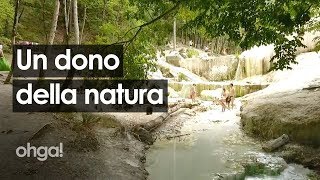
{"x": 144, "y": 26}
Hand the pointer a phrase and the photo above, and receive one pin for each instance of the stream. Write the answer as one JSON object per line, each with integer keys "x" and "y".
{"x": 211, "y": 145}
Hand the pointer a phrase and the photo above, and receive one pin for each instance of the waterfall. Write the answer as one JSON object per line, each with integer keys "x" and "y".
{"x": 255, "y": 61}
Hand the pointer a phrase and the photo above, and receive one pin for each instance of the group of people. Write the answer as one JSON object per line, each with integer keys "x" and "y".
{"x": 226, "y": 100}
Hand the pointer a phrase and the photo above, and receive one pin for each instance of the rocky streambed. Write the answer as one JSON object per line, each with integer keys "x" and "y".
{"x": 206, "y": 143}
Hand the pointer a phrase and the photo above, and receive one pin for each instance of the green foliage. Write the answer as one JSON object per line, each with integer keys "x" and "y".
{"x": 257, "y": 168}
{"x": 286, "y": 53}
{"x": 313, "y": 176}
{"x": 242, "y": 25}
{"x": 6, "y": 17}
{"x": 259, "y": 22}
{"x": 182, "y": 77}
{"x": 314, "y": 25}
{"x": 140, "y": 52}
{"x": 317, "y": 47}
{"x": 4, "y": 66}
{"x": 6, "y": 43}
{"x": 192, "y": 53}
{"x": 166, "y": 72}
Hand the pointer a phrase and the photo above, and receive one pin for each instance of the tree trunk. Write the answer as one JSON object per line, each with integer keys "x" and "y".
{"x": 174, "y": 34}
{"x": 84, "y": 22}
{"x": 54, "y": 22}
{"x": 194, "y": 40}
{"x": 43, "y": 20}
{"x": 76, "y": 22}
{"x": 69, "y": 16}
{"x": 13, "y": 41}
{"x": 186, "y": 38}
{"x": 212, "y": 45}
{"x": 66, "y": 22}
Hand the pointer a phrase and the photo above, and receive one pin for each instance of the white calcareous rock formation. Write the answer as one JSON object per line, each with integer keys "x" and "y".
{"x": 291, "y": 105}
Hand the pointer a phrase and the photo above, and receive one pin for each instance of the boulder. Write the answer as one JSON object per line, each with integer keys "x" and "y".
{"x": 174, "y": 58}
{"x": 254, "y": 165}
{"x": 288, "y": 106}
{"x": 295, "y": 113}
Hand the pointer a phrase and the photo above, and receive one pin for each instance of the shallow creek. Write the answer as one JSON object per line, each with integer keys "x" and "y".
{"x": 211, "y": 145}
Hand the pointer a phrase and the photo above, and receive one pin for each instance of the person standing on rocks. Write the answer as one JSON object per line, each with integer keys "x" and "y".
{"x": 223, "y": 99}
{"x": 190, "y": 43}
{"x": 193, "y": 93}
{"x": 231, "y": 95}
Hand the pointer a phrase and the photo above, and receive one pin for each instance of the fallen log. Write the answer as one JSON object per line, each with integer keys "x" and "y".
{"x": 276, "y": 143}
{"x": 153, "y": 124}
{"x": 176, "y": 136}
{"x": 143, "y": 132}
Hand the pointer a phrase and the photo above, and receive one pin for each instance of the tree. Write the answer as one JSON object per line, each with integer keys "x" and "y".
{"x": 54, "y": 22}
{"x": 14, "y": 34}
{"x": 250, "y": 22}
{"x": 258, "y": 22}
{"x": 76, "y": 22}
{"x": 144, "y": 25}
{"x": 7, "y": 12}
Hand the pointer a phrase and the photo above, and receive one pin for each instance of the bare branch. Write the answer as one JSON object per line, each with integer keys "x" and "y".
{"x": 146, "y": 24}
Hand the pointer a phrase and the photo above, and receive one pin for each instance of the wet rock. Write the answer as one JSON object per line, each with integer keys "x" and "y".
{"x": 254, "y": 164}
{"x": 174, "y": 59}
{"x": 213, "y": 68}
{"x": 295, "y": 113}
{"x": 264, "y": 164}
{"x": 308, "y": 156}
{"x": 144, "y": 136}
{"x": 230, "y": 176}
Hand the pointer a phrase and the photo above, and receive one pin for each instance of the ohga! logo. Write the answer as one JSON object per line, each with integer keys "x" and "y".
{"x": 41, "y": 153}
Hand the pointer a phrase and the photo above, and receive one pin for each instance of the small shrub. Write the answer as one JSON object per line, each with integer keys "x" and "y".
{"x": 192, "y": 52}
{"x": 166, "y": 72}
{"x": 6, "y": 43}
{"x": 182, "y": 77}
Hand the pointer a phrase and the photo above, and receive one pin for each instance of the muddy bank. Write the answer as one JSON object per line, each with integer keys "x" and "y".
{"x": 88, "y": 153}
{"x": 94, "y": 147}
